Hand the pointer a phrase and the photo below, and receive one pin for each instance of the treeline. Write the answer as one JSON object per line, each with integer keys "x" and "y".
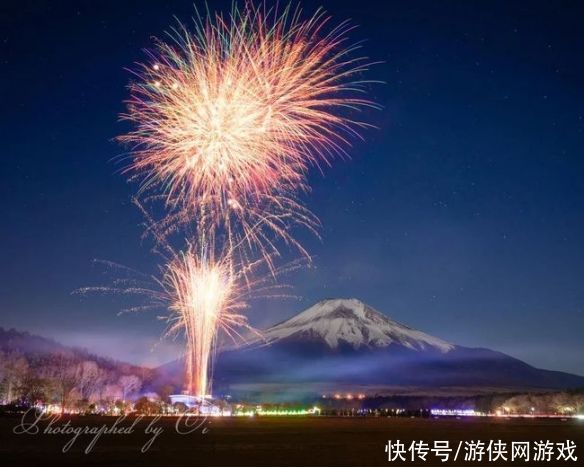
{"x": 561, "y": 403}
{"x": 35, "y": 369}
{"x": 67, "y": 379}
{"x": 558, "y": 402}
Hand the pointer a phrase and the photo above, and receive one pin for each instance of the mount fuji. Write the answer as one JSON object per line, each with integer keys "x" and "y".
{"x": 346, "y": 342}
{"x": 349, "y": 322}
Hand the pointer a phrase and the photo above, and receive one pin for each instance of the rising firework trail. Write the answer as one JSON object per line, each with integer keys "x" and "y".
{"x": 204, "y": 299}
{"x": 207, "y": 297}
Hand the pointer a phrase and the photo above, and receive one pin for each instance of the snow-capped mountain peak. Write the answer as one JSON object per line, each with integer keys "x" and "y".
{"x": 352, "y": 322}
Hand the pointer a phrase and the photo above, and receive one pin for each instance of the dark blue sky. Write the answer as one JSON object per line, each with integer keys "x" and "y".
{"x": 462, "y": 215}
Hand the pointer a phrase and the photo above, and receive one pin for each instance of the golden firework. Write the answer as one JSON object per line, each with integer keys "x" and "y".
{"x": 229, "y": 117}
{"x": 206, "y": 298}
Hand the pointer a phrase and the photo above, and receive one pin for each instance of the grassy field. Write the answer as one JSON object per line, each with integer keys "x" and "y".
{"x": 320, "y": 441}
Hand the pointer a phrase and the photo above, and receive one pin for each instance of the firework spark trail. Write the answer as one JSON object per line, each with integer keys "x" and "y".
{"x": 229, "y": 118}
{"x": 208, "y": 296}
{"x": 277, "y": 218}
{"x": 227, "y": 121}
{"x": 204, "y": 301}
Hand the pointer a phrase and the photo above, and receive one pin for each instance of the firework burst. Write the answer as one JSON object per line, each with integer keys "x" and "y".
{"x": 228, "y": 118}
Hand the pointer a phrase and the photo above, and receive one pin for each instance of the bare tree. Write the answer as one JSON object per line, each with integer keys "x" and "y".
{"x": 14, "y": 369}
{"x": 34, "y": 389}
{"x": 86, "y": 375}
{"x": 129, "y": 384}
{"x": 65, "y": 376}
{"x": 99, "y": 384}
{"x": 112, "y": 392}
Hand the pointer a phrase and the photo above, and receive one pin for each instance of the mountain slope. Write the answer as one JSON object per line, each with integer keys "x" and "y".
{"x": 39, "y": 352}
{"x": 345, "y": 341}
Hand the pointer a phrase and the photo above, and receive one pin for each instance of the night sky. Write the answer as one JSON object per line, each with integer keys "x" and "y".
{"x": 461, "y": 215}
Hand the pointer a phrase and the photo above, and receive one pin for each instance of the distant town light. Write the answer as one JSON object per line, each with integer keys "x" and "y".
{"x": 457, "y": 412}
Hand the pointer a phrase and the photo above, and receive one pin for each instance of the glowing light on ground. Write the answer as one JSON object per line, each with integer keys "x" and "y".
{"x": 276, "y": 412}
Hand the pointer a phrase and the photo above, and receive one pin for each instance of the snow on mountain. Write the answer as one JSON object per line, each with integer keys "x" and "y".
{"x": 352, "y": 322}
